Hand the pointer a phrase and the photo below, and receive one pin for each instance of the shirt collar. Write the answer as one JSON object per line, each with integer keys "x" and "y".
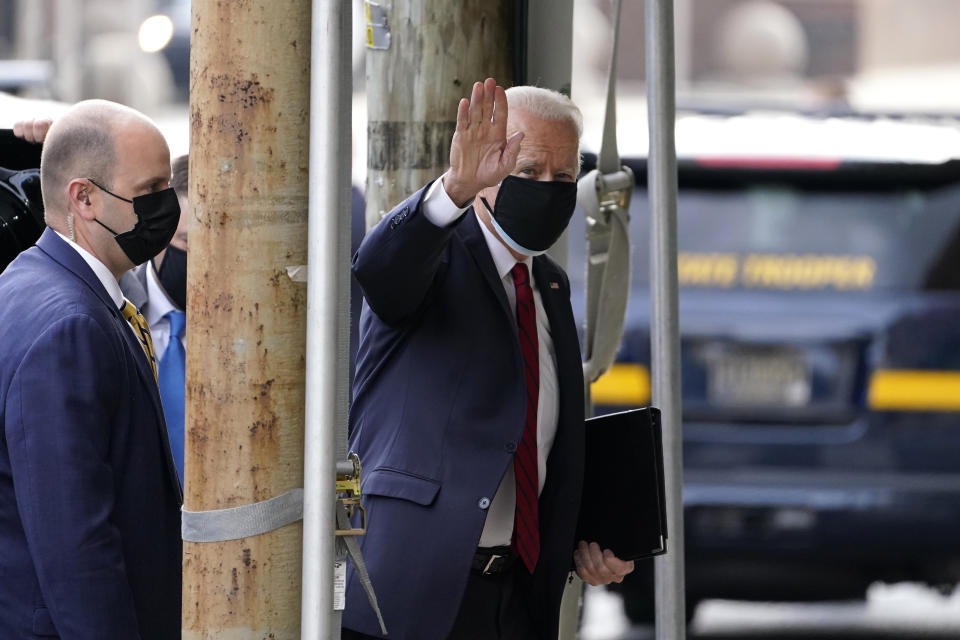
{"x": 503, "y": 260}
{"x": 100, "y": 270}
{"x": 160, "y": 304}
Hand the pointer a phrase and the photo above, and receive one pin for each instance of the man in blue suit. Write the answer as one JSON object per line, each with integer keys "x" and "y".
{"x": 468, "y": 399}
{"x": 89, "y": 499}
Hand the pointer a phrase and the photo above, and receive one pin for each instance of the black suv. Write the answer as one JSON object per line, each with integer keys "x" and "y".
{"x": 820, "y": 346}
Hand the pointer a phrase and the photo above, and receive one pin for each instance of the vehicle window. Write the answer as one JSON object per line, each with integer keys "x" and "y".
{"x": 780, "y": 237}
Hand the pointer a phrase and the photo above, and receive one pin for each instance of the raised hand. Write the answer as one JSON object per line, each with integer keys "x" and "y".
{"x": 480, "y": 154}
{"x": 32, "y": 130}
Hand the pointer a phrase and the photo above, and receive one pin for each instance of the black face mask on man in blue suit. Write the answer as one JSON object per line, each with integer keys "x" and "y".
{"x": 157, "y": 213}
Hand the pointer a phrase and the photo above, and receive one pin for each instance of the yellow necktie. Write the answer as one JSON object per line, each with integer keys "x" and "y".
{"x": 139, "y": 324}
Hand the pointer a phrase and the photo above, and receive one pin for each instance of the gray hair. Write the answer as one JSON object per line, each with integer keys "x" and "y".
{"x": 547, "y": 104}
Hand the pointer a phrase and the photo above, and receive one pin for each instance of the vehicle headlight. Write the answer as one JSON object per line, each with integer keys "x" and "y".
{"x": 155, "y": 33}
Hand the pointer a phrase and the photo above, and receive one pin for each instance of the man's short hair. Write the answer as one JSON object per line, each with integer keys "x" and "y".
{"x": 79, "y": 151}
{"x": 181, "y": 171}
{"x": 547, "y": 104}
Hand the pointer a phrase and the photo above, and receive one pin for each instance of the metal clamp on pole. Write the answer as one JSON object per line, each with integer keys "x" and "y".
{"x": 258, "y": 518}
{"x": 348, "y": 494}
{"x": 614, "y": 189}
{"x": 604, "y": 194}
{"x": 347, "y": 504}
{"x": 606, "y": 201}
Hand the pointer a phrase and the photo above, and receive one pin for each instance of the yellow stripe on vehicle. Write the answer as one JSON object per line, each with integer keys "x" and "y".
{"x": 914, "y": 390}
{"x": 622, "y": 384}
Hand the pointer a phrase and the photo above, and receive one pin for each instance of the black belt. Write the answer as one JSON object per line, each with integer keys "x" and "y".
{"x": 491, "y": 561}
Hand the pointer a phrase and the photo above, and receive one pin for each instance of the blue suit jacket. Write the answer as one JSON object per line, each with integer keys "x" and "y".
{"x": 437, "y": 412}
{"x": 89, "y": 500}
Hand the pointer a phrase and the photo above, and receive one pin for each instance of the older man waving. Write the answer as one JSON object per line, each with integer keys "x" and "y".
{"x": 468, "y": 399}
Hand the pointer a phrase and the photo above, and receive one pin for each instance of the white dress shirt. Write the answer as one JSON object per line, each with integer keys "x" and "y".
{"x": 104, "y": 275}
{"x": 156, "y": 314}
{"x": 498, "y": 528}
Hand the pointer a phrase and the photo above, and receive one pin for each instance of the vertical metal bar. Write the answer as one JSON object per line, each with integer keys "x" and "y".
{"x": 548, "y": 57}
{"x": 328, "y": 308}
{"x": 665, "y": 339}
{"x": 549, "y": 63}
{"x": 549, "y": 37}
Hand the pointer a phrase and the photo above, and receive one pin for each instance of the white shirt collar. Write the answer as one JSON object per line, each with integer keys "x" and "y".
{"x": 503, "y": 260}
{"x": 100, "y": 270}
{"x": 160, "y": 304}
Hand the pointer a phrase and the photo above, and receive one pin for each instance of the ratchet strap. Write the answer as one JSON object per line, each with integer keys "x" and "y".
{"x": 604, "y": 194}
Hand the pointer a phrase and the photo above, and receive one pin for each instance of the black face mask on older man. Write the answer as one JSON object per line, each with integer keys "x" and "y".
{"x": 157, "y": 216}
{"x": 530, "y": 215}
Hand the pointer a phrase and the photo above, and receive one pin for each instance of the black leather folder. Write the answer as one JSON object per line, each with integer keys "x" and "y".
{"x": 623, "y": 506}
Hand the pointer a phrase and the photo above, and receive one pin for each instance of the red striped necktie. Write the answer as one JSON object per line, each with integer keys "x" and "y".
{"x": 526, "y": 529}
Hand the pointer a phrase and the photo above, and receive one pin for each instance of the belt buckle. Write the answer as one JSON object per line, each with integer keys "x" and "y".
{"x": 487, "y": 569}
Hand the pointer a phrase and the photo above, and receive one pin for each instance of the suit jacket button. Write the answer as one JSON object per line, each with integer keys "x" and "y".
{"x": 510, "y": 447}
{"x": 484, "y": 503}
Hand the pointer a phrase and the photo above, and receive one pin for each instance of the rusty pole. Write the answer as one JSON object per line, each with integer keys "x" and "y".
{"x": 249, "y": 114}
{"x": 436, "y": 50}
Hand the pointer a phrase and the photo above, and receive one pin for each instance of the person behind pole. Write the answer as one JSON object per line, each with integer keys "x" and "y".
{"x": 89, "y": 498}
{"x": 467, "y": 406}
{"x": 158, "y": 288}
{"x": 21, "y": 206}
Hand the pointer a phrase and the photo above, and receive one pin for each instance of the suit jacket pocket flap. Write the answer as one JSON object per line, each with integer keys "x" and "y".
{"x": 397, "y": 484}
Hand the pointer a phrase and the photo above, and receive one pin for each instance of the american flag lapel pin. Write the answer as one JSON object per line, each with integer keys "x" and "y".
{"x": 554, "y": 285}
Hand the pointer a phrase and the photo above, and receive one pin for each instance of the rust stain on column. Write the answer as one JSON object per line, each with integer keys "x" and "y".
{"x": 249, "y": 115}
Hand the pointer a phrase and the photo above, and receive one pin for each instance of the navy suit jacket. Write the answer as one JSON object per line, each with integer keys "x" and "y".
{"x": 89, "y": 499}
{"x": 438, "y": 410}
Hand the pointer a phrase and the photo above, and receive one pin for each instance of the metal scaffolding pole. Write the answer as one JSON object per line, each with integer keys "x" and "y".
{"x": 548, "y": 57}
{"x": 328, "y": 310}
{"x": 665, "y": 338}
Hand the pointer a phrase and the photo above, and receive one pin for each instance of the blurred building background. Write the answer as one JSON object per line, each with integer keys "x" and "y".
{"x": 898, "y": 58}
{"x": 814, "y": 54}
{"x": 822, "y": 56}
{"x": 873, "y": 55}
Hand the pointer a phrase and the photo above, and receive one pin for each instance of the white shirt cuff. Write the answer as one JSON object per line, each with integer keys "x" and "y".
{"x": 438, "y": 207}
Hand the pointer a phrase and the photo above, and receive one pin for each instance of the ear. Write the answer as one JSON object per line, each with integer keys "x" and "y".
{"x": 78, "y": 195}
